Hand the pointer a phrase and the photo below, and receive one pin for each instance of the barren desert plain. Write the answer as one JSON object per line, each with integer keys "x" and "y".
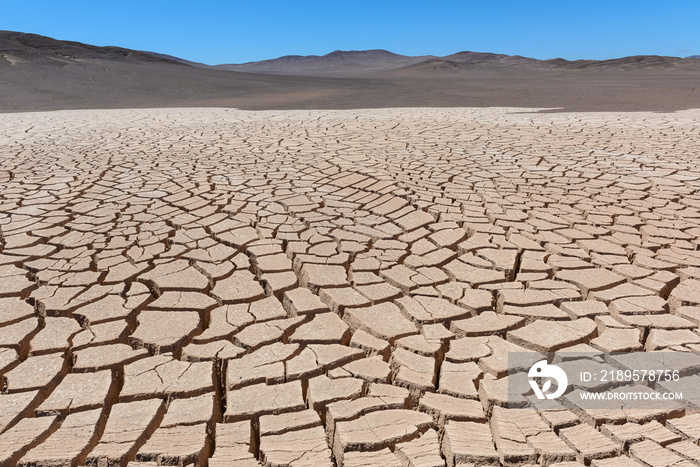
{"x": 223, "y": 287}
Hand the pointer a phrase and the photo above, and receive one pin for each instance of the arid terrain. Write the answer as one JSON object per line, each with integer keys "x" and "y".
{"x": 316, "y": 288}
{"x": 41, "y": 73}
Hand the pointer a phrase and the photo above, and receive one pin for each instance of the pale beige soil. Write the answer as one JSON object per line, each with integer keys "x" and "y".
{"x": 316, "y": 288}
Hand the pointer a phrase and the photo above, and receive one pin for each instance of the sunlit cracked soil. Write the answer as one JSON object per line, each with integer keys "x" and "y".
{"x": 323, "y": 288}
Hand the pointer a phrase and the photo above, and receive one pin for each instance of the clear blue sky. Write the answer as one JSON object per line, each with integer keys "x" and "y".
{"x": 216, "y": 32}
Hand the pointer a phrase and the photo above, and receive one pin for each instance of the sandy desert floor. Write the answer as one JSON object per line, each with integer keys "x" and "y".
{"x": 306, "y": 288}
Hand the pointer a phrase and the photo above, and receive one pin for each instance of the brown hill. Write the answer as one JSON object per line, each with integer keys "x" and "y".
{"x": 41, "y": 73}
{"x": 345, "y": 63}
{"x": 17, "y": 47}
{"x": 636, "y": 62}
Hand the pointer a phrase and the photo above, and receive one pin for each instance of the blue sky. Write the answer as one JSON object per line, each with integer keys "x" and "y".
{"x": 239, "y": 31}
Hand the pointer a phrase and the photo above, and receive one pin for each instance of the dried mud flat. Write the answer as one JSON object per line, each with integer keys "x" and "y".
{"x": 318, "y": 288}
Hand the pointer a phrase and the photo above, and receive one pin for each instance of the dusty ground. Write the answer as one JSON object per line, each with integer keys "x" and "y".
{"x": 38, "y": 73}
{"x": 309, "y": 287}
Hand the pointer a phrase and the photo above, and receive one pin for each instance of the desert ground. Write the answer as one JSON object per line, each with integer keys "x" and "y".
{"x": 39, "y": 73}
{"x": 330, "y": 287}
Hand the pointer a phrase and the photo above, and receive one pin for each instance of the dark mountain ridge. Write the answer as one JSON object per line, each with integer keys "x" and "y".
{"x": 41, "y": 73}
{"x": 334, "y": 63}
{"x": 361, "y": 61}
{"x": 18, "y": 46}
{"x": 24, "y": 46}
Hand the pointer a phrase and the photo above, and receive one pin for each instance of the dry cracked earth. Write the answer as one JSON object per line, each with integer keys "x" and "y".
{"x": 227, "y": 288}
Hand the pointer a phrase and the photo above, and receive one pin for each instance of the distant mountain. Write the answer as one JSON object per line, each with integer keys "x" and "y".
{"x": 361, "y": 62}
{"x": 16, "y": 47}
{"x": 624, "y": 63}
{"x": 333, "y": 64}
{"x": 478, "y": 58}
{"x": 435, "y": 64}
{"x": 373, "y": 62}
{"x": 41, "y": 73}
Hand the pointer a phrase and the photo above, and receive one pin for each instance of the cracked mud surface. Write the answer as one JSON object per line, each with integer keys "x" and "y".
{"x": 316, "y": 288}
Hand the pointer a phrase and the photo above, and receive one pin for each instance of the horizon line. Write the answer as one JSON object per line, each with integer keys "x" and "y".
{"x": 428, "y": 56}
